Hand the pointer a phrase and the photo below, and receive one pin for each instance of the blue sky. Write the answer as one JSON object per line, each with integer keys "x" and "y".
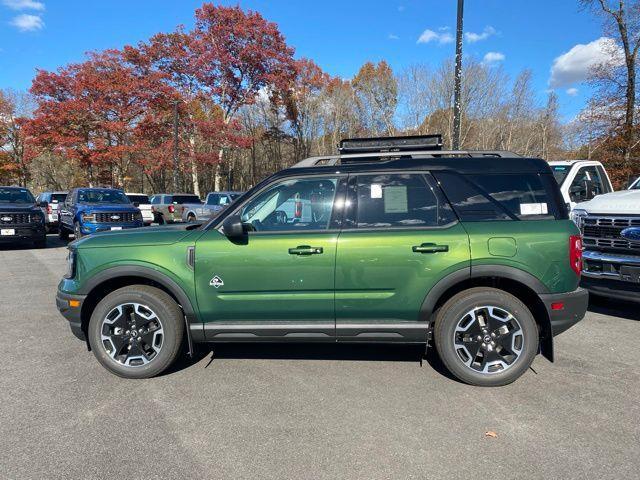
{"x": 339, "y": 35}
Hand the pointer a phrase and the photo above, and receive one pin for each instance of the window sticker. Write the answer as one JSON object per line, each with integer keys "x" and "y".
{"x": 395, "y": 199}
{"x": 376, "y": 190}
{"x": 533, "y": 209}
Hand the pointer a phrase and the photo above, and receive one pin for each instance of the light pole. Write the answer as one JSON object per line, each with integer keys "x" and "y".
{"x": 175, "y": 146}
{"x": 457, "y": 80}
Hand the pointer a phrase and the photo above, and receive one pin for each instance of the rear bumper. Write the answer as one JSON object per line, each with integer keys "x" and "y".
{"x": 565, "y": 309}
{"x": 72, "y": 314}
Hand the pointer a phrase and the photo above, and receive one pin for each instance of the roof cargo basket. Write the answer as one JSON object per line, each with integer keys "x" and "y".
{"x": 413, "y": 143}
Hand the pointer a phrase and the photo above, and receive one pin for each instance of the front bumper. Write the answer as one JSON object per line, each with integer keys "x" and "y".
{"x": 22, "y": 232}
{"x": 565, "y": 309}
{"x": 612, "y": 274}
{"x": 73, "y": 314}
{"x": 89, "y": 228}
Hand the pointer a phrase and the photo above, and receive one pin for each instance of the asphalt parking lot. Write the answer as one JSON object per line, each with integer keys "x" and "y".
{"x": 300, "y": 412}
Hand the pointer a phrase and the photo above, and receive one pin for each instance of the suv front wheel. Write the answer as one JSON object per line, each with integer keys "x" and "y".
{"x": 485, "y": 336}
{"x": 136, "y": 331}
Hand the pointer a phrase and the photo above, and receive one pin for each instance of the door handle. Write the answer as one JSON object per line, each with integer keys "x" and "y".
{"x": 430, "y": 248}
{"x": 305, "y": 250}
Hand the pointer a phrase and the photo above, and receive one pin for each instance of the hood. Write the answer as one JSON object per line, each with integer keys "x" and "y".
{"x": 18, "y": 207}
{"x": 623, "y": 202}
{"x": 136, "y": 237}
{"x": 109, "y": 207}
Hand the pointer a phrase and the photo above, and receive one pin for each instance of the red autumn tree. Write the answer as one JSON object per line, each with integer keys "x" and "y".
{"x": 14, "y": 151}
{"x": 100, "y": 113}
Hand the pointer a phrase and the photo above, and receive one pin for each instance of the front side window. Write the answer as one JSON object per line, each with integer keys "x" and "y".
{"x": 587, "y": 184}
{"x": 292, "y": 204}
{"x": 400, "y": 200}
{"x": 213, "y": 199}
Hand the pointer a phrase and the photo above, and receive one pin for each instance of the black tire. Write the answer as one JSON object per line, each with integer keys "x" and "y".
{"x": 160, "y": 220}
{"x": 191, "y": 218}
{"x": 63, "y": 233}
{"x": 41, "y": 242}
{"x": 77, "y": 233}
{"x": 170, "y": 319}
{"x": 502, "y": 363}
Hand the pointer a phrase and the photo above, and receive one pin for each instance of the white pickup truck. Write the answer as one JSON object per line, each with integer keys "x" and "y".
{"x": 580, "y": 180}
{"x": 610, "y": 226}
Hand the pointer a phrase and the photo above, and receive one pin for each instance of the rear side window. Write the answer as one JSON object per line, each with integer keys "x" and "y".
{"x": 186, "y": 199}
{"x": 481, "y": 197}
{"x": 399, "y": 200}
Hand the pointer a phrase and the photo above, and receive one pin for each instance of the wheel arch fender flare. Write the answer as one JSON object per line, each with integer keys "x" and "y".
{"x": 123, "y": 271}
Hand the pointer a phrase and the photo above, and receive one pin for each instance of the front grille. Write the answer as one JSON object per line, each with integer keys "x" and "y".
{"x": 15, "y": 218}
{"x": 115, "y": 217}
{"x": 604, "y": 232}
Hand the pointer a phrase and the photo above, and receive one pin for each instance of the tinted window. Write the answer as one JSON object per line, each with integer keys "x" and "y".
{"x": 498, "y": 196}
{"x": 156, "y": 199}
{"x": 186, "y": 199}
{"x": 293, "y": 204}
{"x": 587, "y": 184}
{"x": 16, "y": 195}
{"x": 58, "y": 197}
{"x": 400, "y": 200}
{"x": 635, "y": 185}
{"x": 102, "y": 196}
{"x": 143, "y": 199}
{"x": 213, "y": 199}
{"x": 560, "y": 172}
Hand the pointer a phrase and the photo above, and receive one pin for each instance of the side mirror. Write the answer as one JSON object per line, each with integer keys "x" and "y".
{"x": 136, "y": 204}
{"x": 232, "y": 227}
{"x": 43, "y": 204}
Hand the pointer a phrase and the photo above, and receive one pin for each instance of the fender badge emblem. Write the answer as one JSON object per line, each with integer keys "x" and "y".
{"x": 216, "y": 282}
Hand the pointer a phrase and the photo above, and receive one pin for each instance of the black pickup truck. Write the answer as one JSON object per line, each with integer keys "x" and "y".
{"x": 21, "y": 219}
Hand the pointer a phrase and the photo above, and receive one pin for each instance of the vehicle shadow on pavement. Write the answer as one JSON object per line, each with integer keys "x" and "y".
{"x": 614, "y": 308}
{"x": 313, "y": 351}
{"x": 52, "y": 242}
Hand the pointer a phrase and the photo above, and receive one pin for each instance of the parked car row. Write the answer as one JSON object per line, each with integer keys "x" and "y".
{"x": 84, "y": 211}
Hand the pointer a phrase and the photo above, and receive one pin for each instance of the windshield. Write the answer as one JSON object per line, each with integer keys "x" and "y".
{"x": 142, "y": 199}
{"x": 560, "y": 172}
{"x": 636, "y": 185}
{"x": 186, "y": 199}
{"x": 102, "y": 196}
{"x": 16, "y": 195}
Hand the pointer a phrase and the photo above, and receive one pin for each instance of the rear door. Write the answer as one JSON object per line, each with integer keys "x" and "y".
{"x": 66, "y": 210}
{"x": 399, "y": 238}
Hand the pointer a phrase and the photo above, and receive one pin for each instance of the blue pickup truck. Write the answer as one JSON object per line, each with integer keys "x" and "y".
{"x": 90, "y": 210}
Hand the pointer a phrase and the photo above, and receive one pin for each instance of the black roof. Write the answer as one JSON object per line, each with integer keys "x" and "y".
{"x": 461, "y": 164}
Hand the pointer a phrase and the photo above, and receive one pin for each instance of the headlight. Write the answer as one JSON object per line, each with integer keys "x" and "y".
{"x": 88, "y": 217}
{"x": 71, "y": 264}
{"x": 577, "y": 215}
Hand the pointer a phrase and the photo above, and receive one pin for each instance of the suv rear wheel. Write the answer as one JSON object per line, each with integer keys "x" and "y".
{"x": 136, "y": 331}
{"x": 486, "y": 336}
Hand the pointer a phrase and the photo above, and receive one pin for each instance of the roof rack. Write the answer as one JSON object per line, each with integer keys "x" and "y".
{"x": 329, "y": 160}
{"x": 412, "y": 143}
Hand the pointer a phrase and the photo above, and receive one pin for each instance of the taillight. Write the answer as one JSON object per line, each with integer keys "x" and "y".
{"x": 49, "y": 210}
{"x": 575, "y": 253}
{"x": 172, "y": 209}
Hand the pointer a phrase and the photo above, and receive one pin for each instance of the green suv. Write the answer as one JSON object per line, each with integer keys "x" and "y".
{"x": 392, "y": 240}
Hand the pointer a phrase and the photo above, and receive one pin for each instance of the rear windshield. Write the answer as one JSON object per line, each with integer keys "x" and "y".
{"x": 483, "y": 197}
{"x": 186, "y": 199}
{"x": 58, "y": 197}
{"x": 16, "y": 195}
{"x": 560, "y": 172}
{"x": 102, "y": 196}
{"x": 142, "y": 199}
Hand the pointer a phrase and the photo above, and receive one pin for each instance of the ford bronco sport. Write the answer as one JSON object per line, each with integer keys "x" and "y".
{"x": 391, "y": 240}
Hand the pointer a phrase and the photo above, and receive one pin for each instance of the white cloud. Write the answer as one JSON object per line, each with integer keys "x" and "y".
{"x": 392, "y": 36}
{"x": 472, "y": 37}
{"x": 23, "y": 5}
{"x": 27, "y": 23}
{"x": 575, "y": 65}
{"x": 429, "y": 36}
{"x": 493, "y": 57}
{"x": 572, "y": 92}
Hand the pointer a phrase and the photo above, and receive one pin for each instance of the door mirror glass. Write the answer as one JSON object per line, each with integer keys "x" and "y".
{"x": 232, "y": 227}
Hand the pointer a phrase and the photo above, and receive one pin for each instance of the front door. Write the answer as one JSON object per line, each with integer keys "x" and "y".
{"x": 279, "y": 282}
{"x": 400, "y": 238}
